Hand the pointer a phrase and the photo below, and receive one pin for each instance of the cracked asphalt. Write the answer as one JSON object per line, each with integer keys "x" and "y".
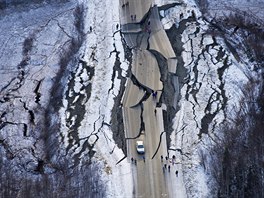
{"x": 143, "y": 114}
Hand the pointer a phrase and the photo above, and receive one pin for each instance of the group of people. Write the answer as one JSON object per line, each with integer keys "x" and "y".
{"x": 134, "y": 160}
{"x": 125, "y": 4}
{"x": 133, "y": 17}
{"x": 165, "y": 167}
{"x": 167, "y": 162}
{"x": 154, "y": 94}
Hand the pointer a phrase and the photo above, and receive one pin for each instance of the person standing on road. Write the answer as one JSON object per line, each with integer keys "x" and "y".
{"x": 161, "y": 158}
{"x": 132, "y": 159}
{"x": 169, "y": 168}
{"x": 173, "y": 159}
{"x": 154, "y": 94}
{"x": 176, "y": 173}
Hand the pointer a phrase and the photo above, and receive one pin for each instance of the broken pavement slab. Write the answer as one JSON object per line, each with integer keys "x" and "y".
{"x": 146, "y": 70}
{"x": 159, "y": 40}
{"x": 160, "y": 43}
{"x": 133, "y": 95}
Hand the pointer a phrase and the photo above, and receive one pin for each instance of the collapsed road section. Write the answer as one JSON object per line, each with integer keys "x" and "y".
{"x": 143, "y": 107}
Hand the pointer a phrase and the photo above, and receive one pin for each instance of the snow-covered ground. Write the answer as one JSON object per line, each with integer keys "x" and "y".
{"x": 251, "y": 8}
{"x": 99, "y": 53}
{"x": 211, "y": 88}
{"x": 29, "y": 62}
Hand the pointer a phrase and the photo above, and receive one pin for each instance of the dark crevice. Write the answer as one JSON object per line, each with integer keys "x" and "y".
{"x": 30, "y": 112}
{"x": 31, "y": 116}
{"x": 158, "y": 145}
{"x": 142, "y": 124}
{"x": 3, "y": 115}
{"x": 192, "y": 52}
{"x": 121, "y": 159}
{"x": 40, "y": 167}
{"x": 25, "y": 130}
{"x": 220, "y": 54}
{"x": 194, "y": 113}
{"x": 168, "y": 93}
{"x": 205, "y": 122}
{"x": 37, "y": 93}
{"x": 117, "y": 125}
{"x": 116, "y": 68}
{"x": 76, "y": 107}
{"x": 139, "y": 85}
{"x": 113, "y": 51}
{"x": 220, "y": 72}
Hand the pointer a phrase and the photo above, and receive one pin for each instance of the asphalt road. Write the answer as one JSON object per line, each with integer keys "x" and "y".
{"x": 143, "y": 120}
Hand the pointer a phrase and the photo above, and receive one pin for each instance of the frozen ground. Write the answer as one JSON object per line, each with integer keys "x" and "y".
{"x": 99, "y": 53}
{"x": 39, "y": 49}
{"x": 210, "y": 89}
{"x": 251, "y": 8}
{"x": 32, "y": 44}
{"x": 29, "y": 63}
